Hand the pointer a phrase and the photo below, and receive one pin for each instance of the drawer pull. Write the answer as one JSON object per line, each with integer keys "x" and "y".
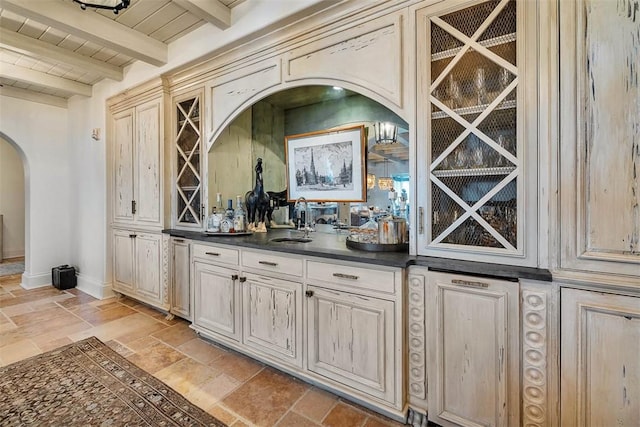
{"x": 212, "y": 253}
{"x": 234, "y": 277}
{"x": 132, "y": 236}
{"x": 243, "y": 279}
{"x": 345, "y": 276}
{"x": 178, "y": 240}
{"x": 469, "y": 283}
{"x": 269, "y": 263}
{"x": 308, "y": 294}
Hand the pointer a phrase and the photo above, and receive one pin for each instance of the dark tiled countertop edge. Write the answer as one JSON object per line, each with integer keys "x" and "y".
{"x": 332, "y": 247}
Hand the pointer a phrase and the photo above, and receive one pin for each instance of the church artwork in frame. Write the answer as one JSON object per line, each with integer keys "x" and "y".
{"x": 327, "y": 165}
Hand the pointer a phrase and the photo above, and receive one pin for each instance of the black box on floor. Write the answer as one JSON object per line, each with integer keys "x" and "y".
{"x": 63, "y": 277}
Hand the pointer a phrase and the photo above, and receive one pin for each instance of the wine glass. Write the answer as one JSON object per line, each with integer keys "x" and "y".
{"x": 503, "y": 78}
{"x": 455, "y": 92}
{"x": 480, "y": 84}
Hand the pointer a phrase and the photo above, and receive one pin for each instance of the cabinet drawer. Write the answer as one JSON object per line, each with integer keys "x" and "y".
{"x": 355, "y": 277}
{"x": 276, "y": 263}
{"x": 216, "y": 254}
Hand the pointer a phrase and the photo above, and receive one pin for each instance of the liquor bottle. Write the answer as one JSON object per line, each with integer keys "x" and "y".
{"x": 239, "y": 216}
{"x": 226, "y": 225}
{"x": 217, "y": 214}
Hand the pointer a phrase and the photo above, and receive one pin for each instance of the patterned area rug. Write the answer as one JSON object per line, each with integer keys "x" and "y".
{"x": 88, "y": 384}
{"x": 11, "y": 268}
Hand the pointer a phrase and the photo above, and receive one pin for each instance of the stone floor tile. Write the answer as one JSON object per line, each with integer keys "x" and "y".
{"x": 53, "y": 344}
{"x": 211, "y": 392}
{"x": 156, "y": 357}
{"x": 292, "y": 419}
{"x": 239, "y": 367}
{"x": 265, "y": 398}
{"x": 343, "y": 415}
{"x": 316, "y": 404}
{"x": 176, "y": 335}
{"x": 15, "y": 310}
{"x": 201, "y": 350}
{"x": 222, "y": 414}
{"x": 18, "y": 351}
{"x": 186, "y": 374}
{"x": 119, "y": 348}
{"x": 99, "y": 317}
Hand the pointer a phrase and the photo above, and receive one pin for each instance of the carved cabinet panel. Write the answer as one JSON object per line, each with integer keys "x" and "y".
{"x": 273, "y": 317}
{"x": 600, "y": 361}
{"x": 473, "y": 353}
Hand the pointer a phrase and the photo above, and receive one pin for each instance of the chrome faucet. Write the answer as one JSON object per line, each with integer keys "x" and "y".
{"x": 303, "y": 225}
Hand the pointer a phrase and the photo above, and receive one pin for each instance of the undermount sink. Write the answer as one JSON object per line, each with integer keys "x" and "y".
{"x": 291, "y": 240}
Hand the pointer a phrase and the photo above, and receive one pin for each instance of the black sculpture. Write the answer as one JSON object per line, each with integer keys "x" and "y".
{"x": 278, "y": 199}
{"x": 257, "y": 202}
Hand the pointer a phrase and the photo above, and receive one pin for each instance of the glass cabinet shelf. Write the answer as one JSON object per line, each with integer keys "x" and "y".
{"x": 475, "y": 109}
{"x": 479, "y": 172}
{"x": 496, "y": 41}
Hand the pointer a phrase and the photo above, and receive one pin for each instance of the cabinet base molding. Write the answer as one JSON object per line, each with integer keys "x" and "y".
{"x": 119, "y": 293}
{"x": 315, "y": 380}
{"x": 417, "y": 419}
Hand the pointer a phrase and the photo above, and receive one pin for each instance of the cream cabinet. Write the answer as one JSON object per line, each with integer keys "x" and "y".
{"x": 217, "y": 295}
{"x": 600, "y": 362}
{"x": 350, "y": 340}
{"x": 138, "y": 267}
{"x": 272, "y": 322}
{"x": 477, "y": 131}
{"x": 188, "y": 209}
{"x": 137, "y": 145}
{"x": 180, "y": 260}
{"x": 473, "y": 357}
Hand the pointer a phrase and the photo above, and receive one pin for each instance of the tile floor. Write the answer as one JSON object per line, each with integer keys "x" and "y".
{"x": 237, "y": 390}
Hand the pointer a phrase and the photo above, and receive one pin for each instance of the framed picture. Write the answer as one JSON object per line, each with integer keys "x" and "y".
{"x": 327, "y": 165}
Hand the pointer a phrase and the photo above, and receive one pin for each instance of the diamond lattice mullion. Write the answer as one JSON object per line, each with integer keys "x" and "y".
{"x": 471, "y": 211}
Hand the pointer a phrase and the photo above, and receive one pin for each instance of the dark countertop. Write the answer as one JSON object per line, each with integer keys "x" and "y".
{"x": 333, "y": 246}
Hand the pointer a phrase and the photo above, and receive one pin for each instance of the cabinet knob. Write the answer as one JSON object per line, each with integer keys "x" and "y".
{"x": 234, "y": 277}
{"x": 308, "y": 294}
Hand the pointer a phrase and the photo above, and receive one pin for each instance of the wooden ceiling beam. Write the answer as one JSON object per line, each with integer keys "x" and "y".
{"x": 42, "y": 50}
{"x": 92, "y": 27}
{"x": 212, "y": 11}
{"x": 29, "y": 95}
{"x": 38, "y": 78}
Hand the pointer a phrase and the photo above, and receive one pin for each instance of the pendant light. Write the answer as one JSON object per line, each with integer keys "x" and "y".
{"x": 114, "y": 5}
{"x": 385, "y": 182}
{"x": 386, "y": 133}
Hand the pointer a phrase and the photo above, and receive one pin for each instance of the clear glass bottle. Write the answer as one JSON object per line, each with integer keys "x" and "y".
{"x": 239, "y": 216}
{"x": 213, "y": 224}
{"x": 226, "y": 224}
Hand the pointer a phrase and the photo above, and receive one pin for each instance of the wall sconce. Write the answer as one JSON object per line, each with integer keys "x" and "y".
{"x": 114, "y": 5}
{"x": 386, "y": 133}
{"x": 371, "y": 181}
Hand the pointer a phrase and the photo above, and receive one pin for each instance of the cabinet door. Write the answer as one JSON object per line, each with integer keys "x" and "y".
{"x": 600, "y": 362}
{"x": 123, "y": 179}
{"x": 350, "y": 339}
{"x": 273, "y": 317}
{"x": 123, "y": 261}
{"x": 148, "y": 258}
{"x": 180, "y": 278}
{"x": 217, "y": 299}
{"x": 473, "y": 356}
{"x": 148, "y": 165}
{"x": 473, "y": 91}
{"x": 187, "y": 175}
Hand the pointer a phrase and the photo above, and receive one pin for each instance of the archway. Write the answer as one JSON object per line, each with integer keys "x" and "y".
{"x": 14, "y": 200}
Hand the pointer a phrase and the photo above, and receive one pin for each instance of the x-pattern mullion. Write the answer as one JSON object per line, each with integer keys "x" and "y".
{"x": 471, "y": 42}
{"x": 473, "y": 127}
{"x": 471, "y": 211}
{"x": 188, "y": 203}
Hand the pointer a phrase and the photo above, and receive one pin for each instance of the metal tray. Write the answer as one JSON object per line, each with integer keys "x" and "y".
{"x": 378, "y": 247}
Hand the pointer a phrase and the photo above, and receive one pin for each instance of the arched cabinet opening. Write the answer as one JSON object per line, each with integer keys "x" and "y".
{"x": 260, "y": 131}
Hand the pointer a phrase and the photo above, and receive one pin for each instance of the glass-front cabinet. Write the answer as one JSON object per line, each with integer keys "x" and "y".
{"x": 187, "y": 164}
{"x": 471, "y": 131}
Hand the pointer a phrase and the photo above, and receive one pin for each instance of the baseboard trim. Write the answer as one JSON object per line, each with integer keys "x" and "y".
{"x": 33, "y": 281}
{"x": 94, "y": 287}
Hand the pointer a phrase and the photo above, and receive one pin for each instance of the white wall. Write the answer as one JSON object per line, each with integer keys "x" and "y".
{"x": 40, "y": 133}
{"x": 11, "y": 201}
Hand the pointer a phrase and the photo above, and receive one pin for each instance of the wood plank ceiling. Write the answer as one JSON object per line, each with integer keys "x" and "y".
{"x": 51, "y": 50}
